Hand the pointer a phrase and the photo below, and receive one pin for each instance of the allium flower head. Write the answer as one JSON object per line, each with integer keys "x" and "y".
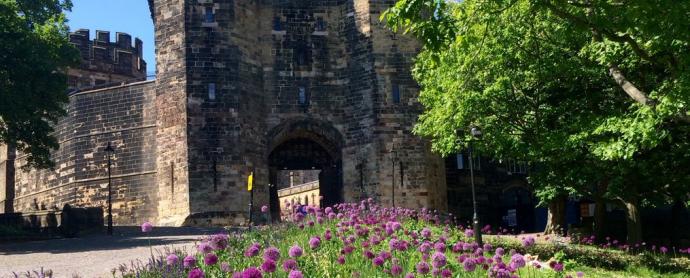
{"x": 218, "y": 241}
{"x": 500, "y": 251}
{"x": 446, "y": 273}
{"x": 252, "y": 250}
{"x": 438, "y": 260}
{"x": 172, "y": 259}
{"x": 268, "y": 266}
{"x": 426, "y": 233}
{"x": 422, "y": 268}
{"x": 210, "y": 259}
{"x": 204, "y": 248}
{"x": 196, "y": 273}
{"x": 295, "y": 274}
{"x": 289, "y": 264}
{"x": 314, "y": 242}
{"x": 252, "y": 272}
{"x": 469, "y": 265}
{"x": 396, "y": 269}
{"x": 271, "y": 253}
{"x": 295, "y": 251}
{"x": 378, "y": 261}
{"x": 225, "y": 267}
{"x": 341, "y": 259}
{"x": 517, "y": 261}
{"x": 189, "y": 261}
{"x": 146, "y": 227}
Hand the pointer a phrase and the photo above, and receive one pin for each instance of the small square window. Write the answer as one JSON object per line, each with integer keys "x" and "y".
{"x": 320, "y": 24}
{"x": 212, "y": 91}
{"x": 209, "y": 17}
{"x": 277, "y": 24}
{"x": 302, "y": 96}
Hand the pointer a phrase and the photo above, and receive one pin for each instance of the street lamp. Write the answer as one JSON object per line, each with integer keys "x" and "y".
{"x": 110, "y": 150}
{"x": 394, "y": 158}
{"x": 476, "y": 135}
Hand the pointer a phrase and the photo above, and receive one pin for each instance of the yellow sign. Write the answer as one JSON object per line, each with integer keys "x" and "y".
{"x": 250, "y": 181}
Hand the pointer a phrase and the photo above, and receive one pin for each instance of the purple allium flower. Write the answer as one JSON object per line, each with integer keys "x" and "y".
{"x": 314, "y": 242}
{"x": 189, "y": 261}
{"x": 500, "y": 251}
{"x": 378, "y": 261}
{"x": 204, "y": 248}
{"x": 225, "y": 267}
{"x": 438, "y": 260}
{"x": 210, "y": 259}
{"x": 264, "y": 208}
{"x": 271, "y": 253}
{"x": 558, "y": 267}
{"x": 295, "y": 251}
{"x": 469, "y": 265}
{"x": 146, "y": 227}
{"x": 424, "y": 247}
{"x": 289, "y": 264}
{"x": 396, "y": 270}
{"x": 446, "y": 273}
{"x": 268, "y": 266}
{"x": 218, "y": 241}
{"x": 409, "y": 275}
{"x": 469, "y": 233}
{"x": 252, "y": 250}
{"x": 196, "y": 273}
{"x": 517, "y": 261}
{"x": 172, "y": 259}
{"x": 341, "y": 259}
{"x": 252, "y": 272}
{"x": 579, "y": 274}
{"x": 370, "y": 255}
{"x": 426, "y": 233}
{"x": 328, "y": 210}
{"x": 663, "y": 249}
{"x": 422, "y": 268}
{"x": 295, "y": 274}
{"x": 440, "y": 247}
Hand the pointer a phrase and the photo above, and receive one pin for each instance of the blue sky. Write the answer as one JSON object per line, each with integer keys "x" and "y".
{"x": 128, "y": 16}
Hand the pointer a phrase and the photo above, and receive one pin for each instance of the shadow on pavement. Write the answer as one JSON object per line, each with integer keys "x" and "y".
{"x": 123, "y": 238}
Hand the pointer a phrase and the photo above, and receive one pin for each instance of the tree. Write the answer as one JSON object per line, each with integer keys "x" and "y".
{"x": 33, "y": 61}
{"x": 545, "y": 82}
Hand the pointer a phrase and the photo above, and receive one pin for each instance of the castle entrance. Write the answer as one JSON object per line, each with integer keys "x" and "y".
{"x": 305, "y": 168}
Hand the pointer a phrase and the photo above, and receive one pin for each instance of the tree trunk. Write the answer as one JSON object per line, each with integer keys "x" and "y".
{"x": 634, "y": 223}
{"x": 555, "y": 223}
{"x": 600, "y": 212}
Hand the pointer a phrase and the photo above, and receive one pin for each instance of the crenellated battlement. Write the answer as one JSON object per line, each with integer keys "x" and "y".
{"x": 105, "y": 62}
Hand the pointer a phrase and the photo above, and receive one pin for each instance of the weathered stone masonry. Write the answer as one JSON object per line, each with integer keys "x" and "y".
{"x": 238, "y": 81}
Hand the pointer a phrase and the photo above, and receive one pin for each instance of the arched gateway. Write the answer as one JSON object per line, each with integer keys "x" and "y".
{"x": 305, "y": 144}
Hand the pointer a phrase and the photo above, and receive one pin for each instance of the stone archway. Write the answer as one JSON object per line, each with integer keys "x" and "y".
{"x": 306, "y": 144}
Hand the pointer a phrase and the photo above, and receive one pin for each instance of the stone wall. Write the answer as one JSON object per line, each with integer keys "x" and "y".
{"x": 105, "y": 63}
{"x": 7, "y": 155}
{"x": 124, "y": 116}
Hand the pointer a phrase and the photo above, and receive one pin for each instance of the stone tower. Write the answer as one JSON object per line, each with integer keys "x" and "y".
{"x": 264, "y": 86}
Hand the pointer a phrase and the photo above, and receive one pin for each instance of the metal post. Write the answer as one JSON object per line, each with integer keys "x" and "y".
{"x": 251, "y": 205}
{"x": 110, "y": 150}
{"x": 393, "y": 173}
{"x": 475, "y": 217}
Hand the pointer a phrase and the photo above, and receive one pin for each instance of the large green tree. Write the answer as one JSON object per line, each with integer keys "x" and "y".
{"x": 594, "y": 94}
{"x": 35, "y": 55}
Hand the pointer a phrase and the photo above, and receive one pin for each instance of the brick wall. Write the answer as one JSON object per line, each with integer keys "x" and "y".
{"x": 124, "y": 116}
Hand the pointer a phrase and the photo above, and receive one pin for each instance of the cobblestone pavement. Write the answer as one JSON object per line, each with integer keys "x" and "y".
{"x": 94, "y": 255}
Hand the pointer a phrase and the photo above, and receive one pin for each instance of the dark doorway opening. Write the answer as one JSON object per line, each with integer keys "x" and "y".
{"x": 518, "y": 209}
{"x": 299, "y": 168}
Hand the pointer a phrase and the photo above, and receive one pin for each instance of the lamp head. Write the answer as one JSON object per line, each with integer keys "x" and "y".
{"x": 476, "y": 132}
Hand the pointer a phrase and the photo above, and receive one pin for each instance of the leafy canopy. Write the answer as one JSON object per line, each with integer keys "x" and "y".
{"x": 35, "y": 55}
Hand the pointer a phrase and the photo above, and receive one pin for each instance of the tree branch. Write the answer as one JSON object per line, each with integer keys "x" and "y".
{"x": 629, "y": 88}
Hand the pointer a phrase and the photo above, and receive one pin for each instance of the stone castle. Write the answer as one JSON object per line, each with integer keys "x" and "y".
{"x": 241, "y": 86}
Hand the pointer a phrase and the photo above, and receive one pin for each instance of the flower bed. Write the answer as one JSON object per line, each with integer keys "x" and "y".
{"x": 366, "y": 240}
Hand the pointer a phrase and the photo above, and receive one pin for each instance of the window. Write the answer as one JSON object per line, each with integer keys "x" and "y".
{"x": 516, "y": 167}
{"x": 320, "y": 24}
{"x": 277, "y": 24}
{"x": 463, "y": 161}
{"x": 302, "y": 96}
{"x": 396, "y": 93}
{"x": 212, "y": 91}
{"x": 209, "y": 16}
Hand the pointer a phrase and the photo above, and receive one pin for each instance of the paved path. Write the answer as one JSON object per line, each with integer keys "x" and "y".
{"x": 94, "y": 255}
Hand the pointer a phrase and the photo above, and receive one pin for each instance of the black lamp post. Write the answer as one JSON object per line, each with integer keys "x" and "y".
{"x": 476, "y": 135}
{"x": 394, "y": 158}
{"x": 110, "y": 150}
